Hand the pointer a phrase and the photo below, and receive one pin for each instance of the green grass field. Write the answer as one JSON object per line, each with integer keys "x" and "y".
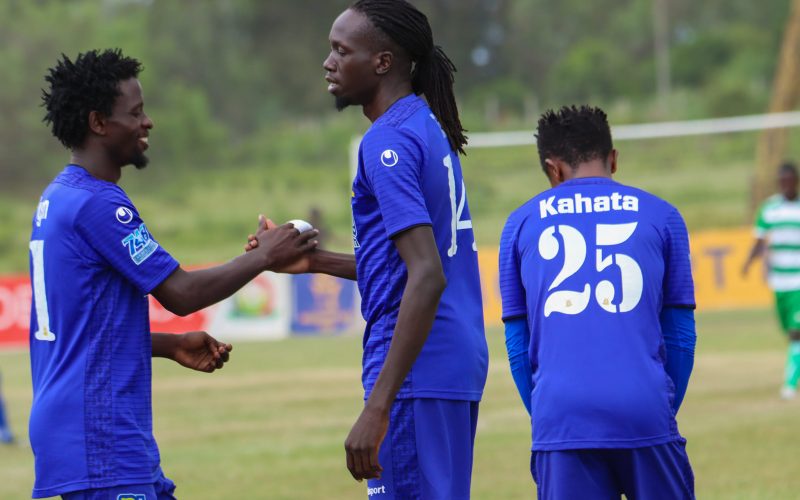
{"x": 272, "y": 423}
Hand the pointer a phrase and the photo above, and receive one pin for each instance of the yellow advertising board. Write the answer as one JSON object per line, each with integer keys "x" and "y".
{"x": 717, "y": 258}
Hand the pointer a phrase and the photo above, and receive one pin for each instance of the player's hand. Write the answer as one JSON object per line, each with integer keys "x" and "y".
{"x": 363, "y": 442}
{"x": 301, "y": 262}
{"x": 200, "y": 351}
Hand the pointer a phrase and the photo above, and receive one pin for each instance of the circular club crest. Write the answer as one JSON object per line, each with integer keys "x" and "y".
{"x": 124, "y": 215}
{"x": 389, "y": 158}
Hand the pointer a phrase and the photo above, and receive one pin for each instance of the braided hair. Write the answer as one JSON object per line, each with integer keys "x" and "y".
{"x": 432, "y": 73}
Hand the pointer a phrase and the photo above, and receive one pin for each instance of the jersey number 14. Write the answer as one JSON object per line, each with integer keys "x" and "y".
{"x": 456, "y": 208}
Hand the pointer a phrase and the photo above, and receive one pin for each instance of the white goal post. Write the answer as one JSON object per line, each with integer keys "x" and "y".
{"x": 627, "y": 132}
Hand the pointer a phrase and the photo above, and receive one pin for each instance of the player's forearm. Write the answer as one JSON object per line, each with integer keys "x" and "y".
{"x": 185, "y": 292}
{"x": 414, "y": 321}
{"x": 755, "y": 252}
{"x": 335, "y": 264}
{"x": 680, "y": 337}
{"x": 517, "y": 340}
{"x": 164, "y": 344}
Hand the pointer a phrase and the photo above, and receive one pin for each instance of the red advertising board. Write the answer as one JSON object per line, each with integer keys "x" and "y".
{"x": 15, "y": 314}
{"x": 15, "y": 310}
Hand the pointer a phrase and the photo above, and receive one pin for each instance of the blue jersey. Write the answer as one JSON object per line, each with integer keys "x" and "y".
{"x": 409, "y": 176}
{"x": 591, "y": 263}
{"x": 93, "y": 262}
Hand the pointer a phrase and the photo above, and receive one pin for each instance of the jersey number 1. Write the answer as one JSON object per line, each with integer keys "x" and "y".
{"x": 39, "y": 296}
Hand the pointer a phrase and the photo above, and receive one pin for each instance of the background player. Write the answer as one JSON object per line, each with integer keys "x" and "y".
{"x": 6, "y": 437}
{"x": 598, "y": 305}
{"x": 424, "y": 367}
{"x": 777, "y": 231}
{"x": 93, "y": 263}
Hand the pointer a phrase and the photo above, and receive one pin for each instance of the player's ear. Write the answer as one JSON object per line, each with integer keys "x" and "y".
{"x": 553, "y": 172}
{"x": 612, "y": 160}
{"x": 97, "y": 122}
{"x": 384, "y": 62}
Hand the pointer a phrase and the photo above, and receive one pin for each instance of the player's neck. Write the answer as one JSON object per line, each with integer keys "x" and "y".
{"x": 385, "y": 96}
{"x": 592, "y": 168}
{"x": 100, "y": 168}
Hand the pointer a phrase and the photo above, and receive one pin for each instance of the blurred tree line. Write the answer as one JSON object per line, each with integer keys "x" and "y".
{"x": 241, "y": 81}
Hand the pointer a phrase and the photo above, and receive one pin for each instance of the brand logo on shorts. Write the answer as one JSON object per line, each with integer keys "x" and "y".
{"x": 378, "y": 490}
{"x": 140, "y": 244}
{"x": 124, "y": 215}
{"x": 131, "y": 496}
{"x": 389, "y": 158}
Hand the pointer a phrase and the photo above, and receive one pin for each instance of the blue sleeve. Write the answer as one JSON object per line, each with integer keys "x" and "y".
{"x": 680, "y": 337}
{"x": 678, "y": 283}
{"x": 517, "y": 340}
{"x": 512, "y": 291}
{"x": 392, "y": 162}
{"x": 110, "y": 224}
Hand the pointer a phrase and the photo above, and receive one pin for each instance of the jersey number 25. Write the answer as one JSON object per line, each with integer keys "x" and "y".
{"x": 575, "y": 302}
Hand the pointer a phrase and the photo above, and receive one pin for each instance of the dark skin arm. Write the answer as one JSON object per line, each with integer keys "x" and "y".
{"x": 196, "y": 350}
{"x": 426, "y": 282}
{"x": 185, "y": 292}
{"x": 337, "y": 264}
{"x": 755, "y": 252}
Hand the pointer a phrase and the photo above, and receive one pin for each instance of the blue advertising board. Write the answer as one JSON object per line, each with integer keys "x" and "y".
{"x": 323, "y": 305}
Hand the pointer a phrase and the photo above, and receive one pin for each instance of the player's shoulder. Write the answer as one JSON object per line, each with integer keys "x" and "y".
{"x": 649, "y": 198}
{"x": 773, "y": 201}
{"x": 85, "y": 185}
{"x": 74, "y": 189}
{"x": 524, "y": 212}
{"x": 402, "y": 121}
{"x": 389, "y": 144}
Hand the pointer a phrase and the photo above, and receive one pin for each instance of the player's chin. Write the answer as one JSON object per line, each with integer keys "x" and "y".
{"x": 341, "y": 102}
{"x": 140, "y": 161}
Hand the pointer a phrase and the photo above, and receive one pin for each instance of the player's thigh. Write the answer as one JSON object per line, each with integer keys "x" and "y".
{"x": 427, "y": 452}
{"x": 567, "y": 474}
{"x": 660, "y": 472}
{"x": 787, "y": 306}
{"x": 163, "y": 489}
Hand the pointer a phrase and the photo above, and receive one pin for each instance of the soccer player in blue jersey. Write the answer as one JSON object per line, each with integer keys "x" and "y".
{"x": 598, "y": 303}
{"x": 93, "y": 262}
{"x": 425, "y": 357}
{"x": 6, "y": 437}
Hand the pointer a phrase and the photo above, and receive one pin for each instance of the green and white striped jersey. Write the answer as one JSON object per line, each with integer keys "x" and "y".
{"x": 778, "y": 222}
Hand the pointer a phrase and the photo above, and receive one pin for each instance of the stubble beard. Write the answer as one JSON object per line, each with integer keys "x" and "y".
{"x": 140, "y": 161}
{"x": 341, "y": 102}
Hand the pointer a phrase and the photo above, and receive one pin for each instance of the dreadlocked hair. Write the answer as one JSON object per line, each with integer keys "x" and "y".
{"x": 90, "y": 83}
{"x": 432, "y": 73}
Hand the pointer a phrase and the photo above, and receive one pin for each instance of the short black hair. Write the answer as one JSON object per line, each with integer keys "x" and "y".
{"x": 573, "y": 135}
{"x": 90, "y": 83}
{"x": 788, "y": 167}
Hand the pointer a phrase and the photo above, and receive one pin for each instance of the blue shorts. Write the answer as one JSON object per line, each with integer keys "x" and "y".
{"x": 427, "y": 451}
{"x": 162, "y": 489}
{"x": 653, "y": 473}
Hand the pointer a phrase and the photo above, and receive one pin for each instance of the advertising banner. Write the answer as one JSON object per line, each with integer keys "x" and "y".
{"x": 323, "y": 305}
{"x": 274, "y": 305}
